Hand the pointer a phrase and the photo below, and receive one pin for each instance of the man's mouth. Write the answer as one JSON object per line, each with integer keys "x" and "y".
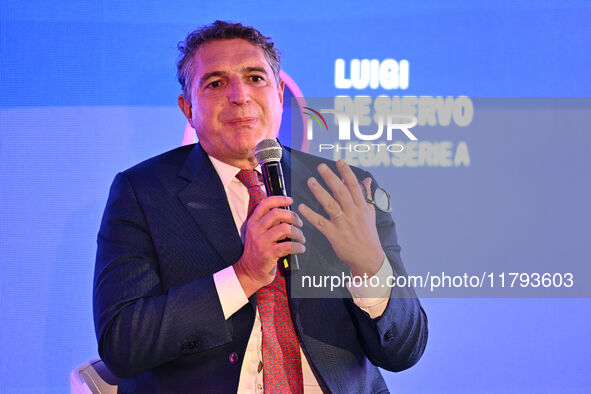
{"x": 242, "y": 121}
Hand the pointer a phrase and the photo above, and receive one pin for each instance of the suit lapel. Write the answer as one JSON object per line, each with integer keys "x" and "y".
{"x": 206, "y": 201}
{"x": 295, "y": 174}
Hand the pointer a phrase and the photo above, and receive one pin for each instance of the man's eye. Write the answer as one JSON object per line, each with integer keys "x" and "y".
{"x": 256, "y": 78}
{"x": 214, "y": 84}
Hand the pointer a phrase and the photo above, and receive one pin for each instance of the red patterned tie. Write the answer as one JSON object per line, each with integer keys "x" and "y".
{"x": 281, "y": 349}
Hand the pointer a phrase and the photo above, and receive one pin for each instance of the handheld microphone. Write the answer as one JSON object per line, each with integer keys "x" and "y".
{"x": 268, "y": 153}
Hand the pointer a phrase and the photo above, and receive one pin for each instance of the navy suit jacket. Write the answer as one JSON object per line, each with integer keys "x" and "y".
{"x": 167, "y": 228}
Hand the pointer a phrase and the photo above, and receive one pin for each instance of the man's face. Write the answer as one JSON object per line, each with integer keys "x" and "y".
{"x": 235, "y": 100}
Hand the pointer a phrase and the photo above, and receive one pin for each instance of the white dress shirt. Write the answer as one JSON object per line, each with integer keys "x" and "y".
{"x": 232, "y": 296}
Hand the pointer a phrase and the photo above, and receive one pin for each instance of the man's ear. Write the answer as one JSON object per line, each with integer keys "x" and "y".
{"x": 281, "y": 89}
{"x": 185, "y": 106}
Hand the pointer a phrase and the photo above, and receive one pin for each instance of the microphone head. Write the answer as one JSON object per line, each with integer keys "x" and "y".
{"x": 268, "y": 150}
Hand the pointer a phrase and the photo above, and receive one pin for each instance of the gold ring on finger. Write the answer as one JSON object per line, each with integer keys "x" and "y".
{"x": 338, "y": 215}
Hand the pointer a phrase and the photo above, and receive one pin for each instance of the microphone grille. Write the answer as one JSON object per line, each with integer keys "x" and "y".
{"x": 268, "y": 150}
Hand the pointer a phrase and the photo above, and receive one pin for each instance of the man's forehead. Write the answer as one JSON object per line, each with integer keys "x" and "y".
{"x": 233, "y": 53}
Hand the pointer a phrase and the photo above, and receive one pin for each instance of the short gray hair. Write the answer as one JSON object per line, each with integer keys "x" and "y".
{"x": 221, "y": 30}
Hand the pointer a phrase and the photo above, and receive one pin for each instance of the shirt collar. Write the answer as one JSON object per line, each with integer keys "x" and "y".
{"x": 227, "y": 172}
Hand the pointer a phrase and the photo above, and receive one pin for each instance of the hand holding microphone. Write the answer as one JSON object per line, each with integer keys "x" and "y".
{"x": 272, "y": 232}
{"x": 268, "y": 153}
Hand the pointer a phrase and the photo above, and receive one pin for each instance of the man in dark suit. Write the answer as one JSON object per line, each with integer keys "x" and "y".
{"x": 187, "y": 295}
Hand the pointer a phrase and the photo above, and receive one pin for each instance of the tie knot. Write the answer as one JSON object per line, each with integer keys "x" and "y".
{"x": 250, "y": 178}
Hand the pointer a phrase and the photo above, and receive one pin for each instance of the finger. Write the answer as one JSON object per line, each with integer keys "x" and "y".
{"x": 287, "y": 248}
{"x": 280, "y": 215}
{"x": 340, "y": 191}
{"x": 297, "y": 235}
{"x": 350, "y": 181}
{"x": 269, "y": 203}
{"x": 367, "y": 185}
{"x": 284, "y": 231}
{"x": 318, "y": 221}
{"x": 330, "y": 205}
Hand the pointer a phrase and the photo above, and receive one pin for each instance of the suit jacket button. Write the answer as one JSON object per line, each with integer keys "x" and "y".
{"x": 233, "y": 358}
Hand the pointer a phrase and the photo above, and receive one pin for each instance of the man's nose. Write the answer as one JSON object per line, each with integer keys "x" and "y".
{"x": 239, "y": 93}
